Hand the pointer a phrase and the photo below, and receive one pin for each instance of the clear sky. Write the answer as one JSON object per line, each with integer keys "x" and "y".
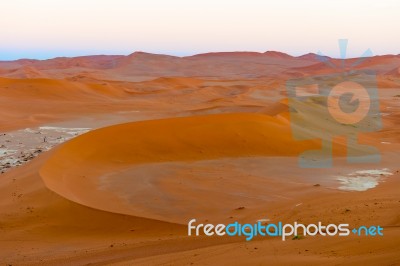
{"x": 49, "y": 28}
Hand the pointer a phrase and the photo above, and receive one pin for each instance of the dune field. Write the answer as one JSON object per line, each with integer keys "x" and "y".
{"x": 105, "y": 159}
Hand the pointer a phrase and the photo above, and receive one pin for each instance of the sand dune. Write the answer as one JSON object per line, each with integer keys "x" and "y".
{"x": 140, "y": 66}
{"x": 395, "y": 72}
{"x": 75, "y": 168}
{"x": 40, "y": 88}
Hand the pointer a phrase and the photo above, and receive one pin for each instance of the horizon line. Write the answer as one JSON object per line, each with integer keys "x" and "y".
{"x": 191, "y": 55}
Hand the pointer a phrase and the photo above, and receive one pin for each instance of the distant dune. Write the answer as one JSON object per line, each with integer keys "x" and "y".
{"x": 140, "y": 65}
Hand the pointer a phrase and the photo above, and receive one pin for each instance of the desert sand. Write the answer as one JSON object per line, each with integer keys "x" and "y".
{"x": 105, "y": 159}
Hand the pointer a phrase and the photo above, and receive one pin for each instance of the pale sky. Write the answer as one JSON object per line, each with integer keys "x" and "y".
{"x": 49, "y": 28}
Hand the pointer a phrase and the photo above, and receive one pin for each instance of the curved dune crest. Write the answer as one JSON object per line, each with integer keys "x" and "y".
{"x": 75, "y": 168}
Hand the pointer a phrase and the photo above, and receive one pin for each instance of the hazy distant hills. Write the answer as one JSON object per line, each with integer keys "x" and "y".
{"x": 143, "y": 66}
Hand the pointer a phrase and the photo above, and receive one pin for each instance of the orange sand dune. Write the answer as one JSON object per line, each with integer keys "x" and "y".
{"x": 53, "y": 89}
{"x": 75, "y": 168}
{"x": 27, "y": 72}
{"x": 187, "y": 138}
{"x": 29, "y": 102}
{"x": 141, "y": 66}
{"x": 395, "y": 72}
